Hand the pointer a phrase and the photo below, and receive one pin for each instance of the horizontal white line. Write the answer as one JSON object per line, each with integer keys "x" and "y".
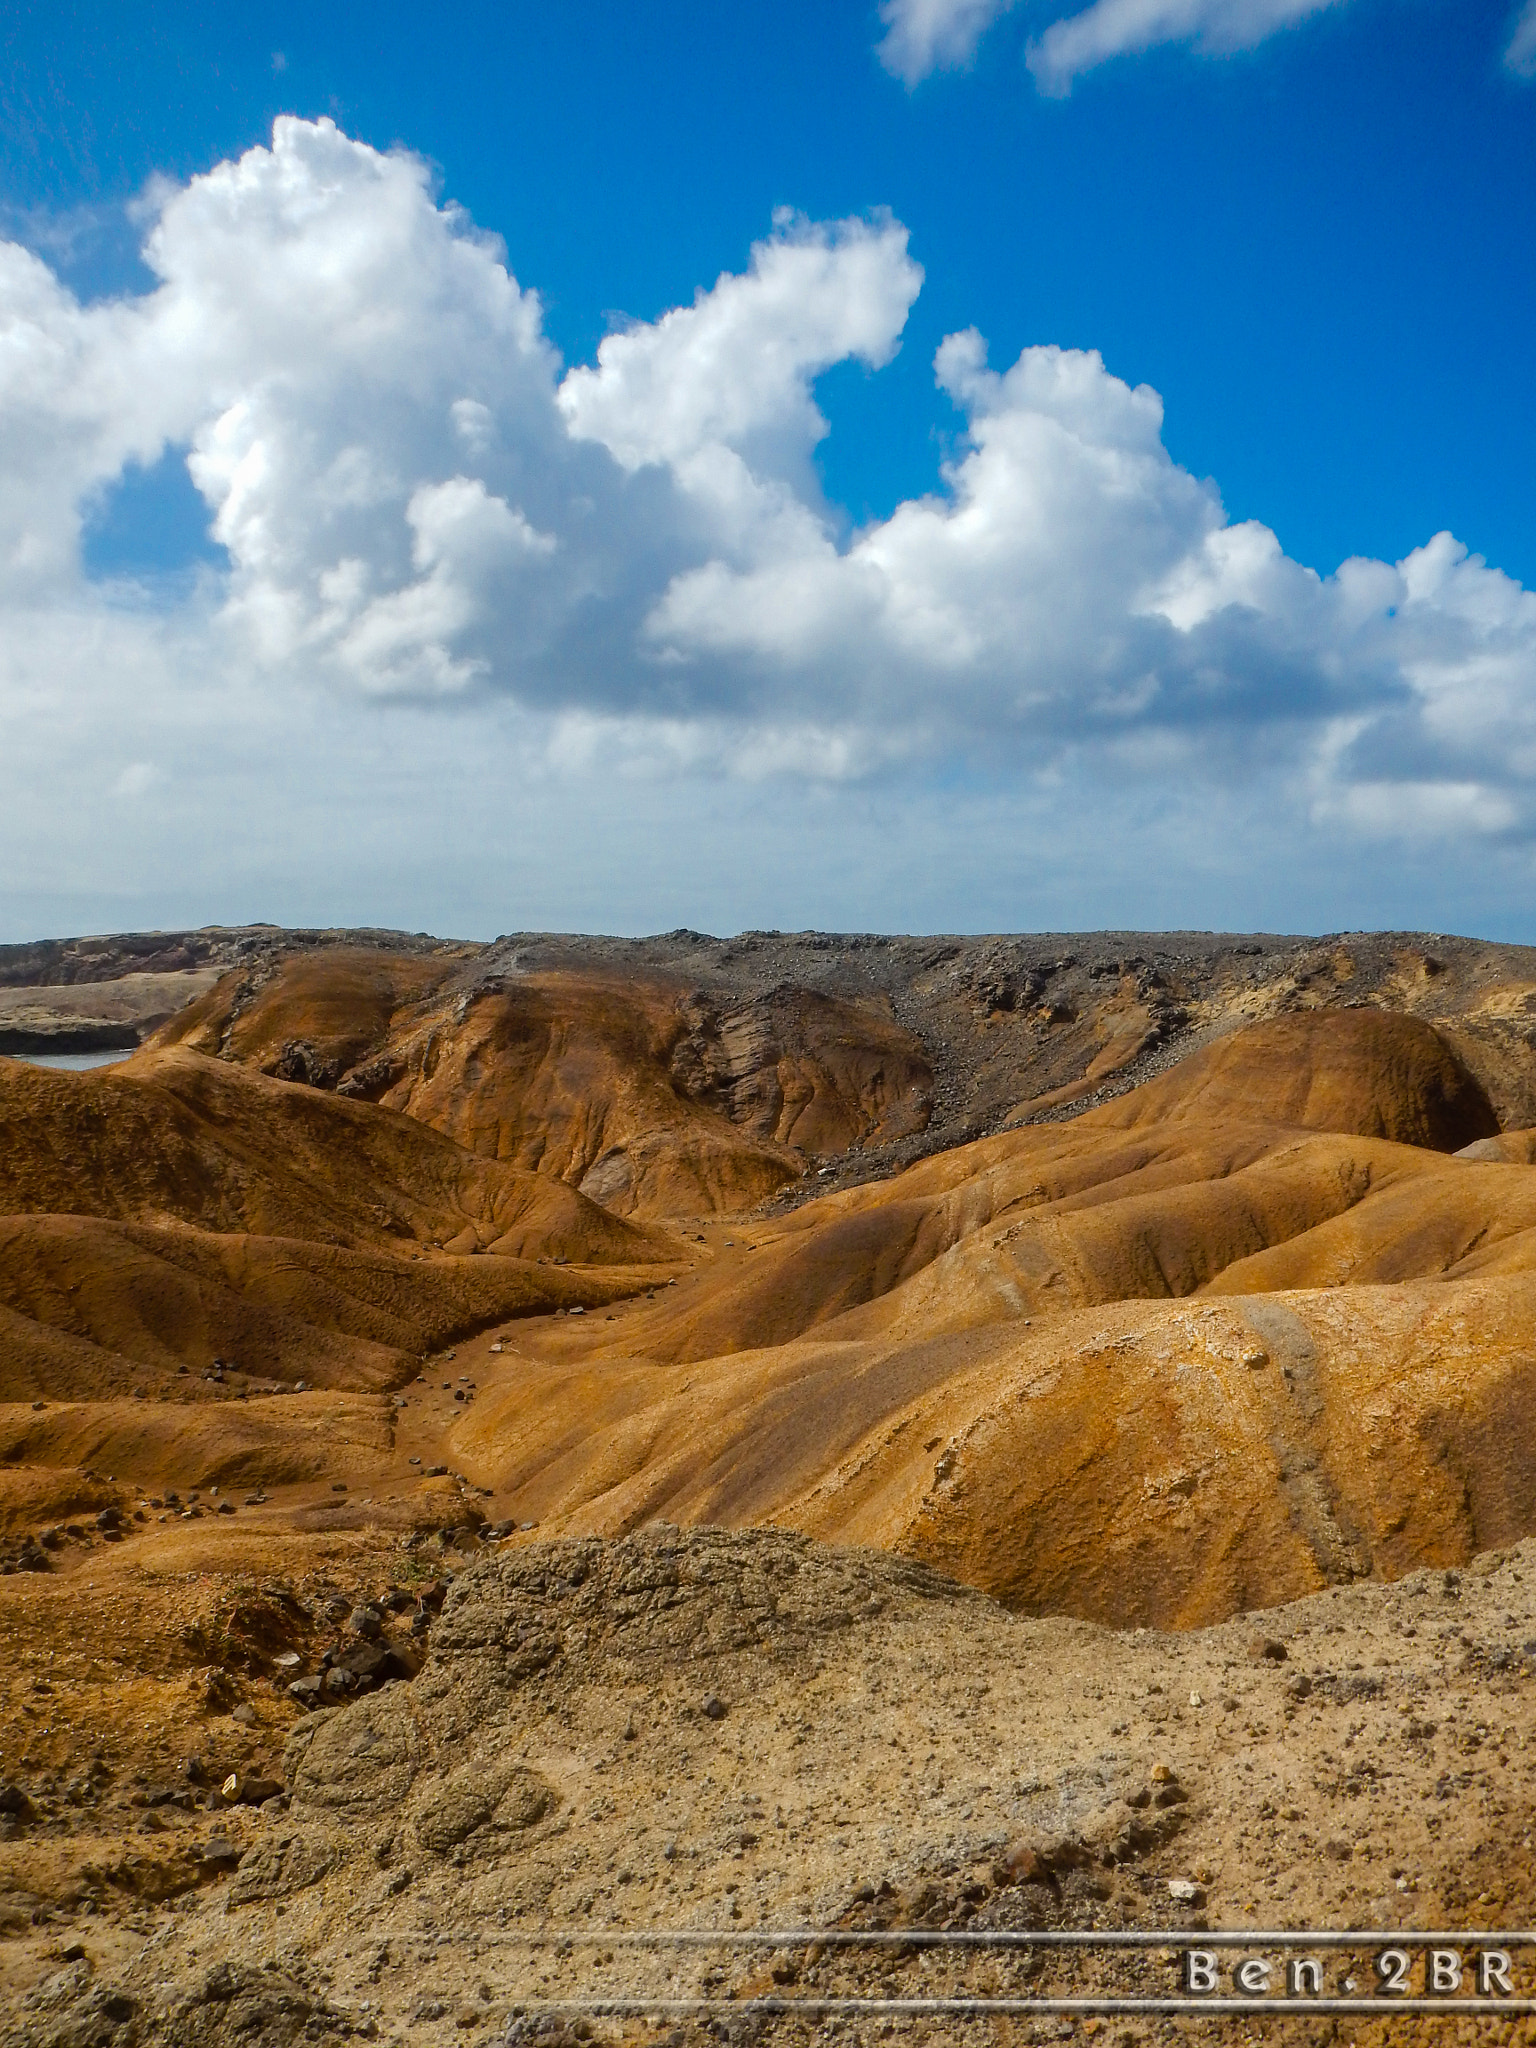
{"x": 987, "y": 1937}
{"x": 628, "y": 2008}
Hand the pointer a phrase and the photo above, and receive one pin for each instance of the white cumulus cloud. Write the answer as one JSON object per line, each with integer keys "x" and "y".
{"x": 719, "y": 393}
{"x": 624, "y": 574}
{"x": 734, "y": 368}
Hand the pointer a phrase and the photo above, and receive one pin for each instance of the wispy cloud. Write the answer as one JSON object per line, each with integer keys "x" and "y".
{"x": 1520, "y": 51}
{"x": 1118, "y": 28}
{"x": 922, "y": 36}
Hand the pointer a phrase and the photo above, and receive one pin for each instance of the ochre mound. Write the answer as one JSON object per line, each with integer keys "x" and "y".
{"x": 147, "y": 1445}
{"x": 91, "y": 1309}
{"x": 951, "y": 1363}
{"x": 1513, "y": 1148}
{"x": 640, "y": 1090}
{"x": 1371, "y": 1073}
{"x": 174, "y": 1136}
{"x": 161, "y": 1214}
{"x": 1053, "y": 1218}
{"x": 1156, "y": 1462}
{"x": 316, "y": 1016}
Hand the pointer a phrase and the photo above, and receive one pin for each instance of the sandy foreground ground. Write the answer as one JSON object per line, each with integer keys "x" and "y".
{"x": 731, "y": 1734}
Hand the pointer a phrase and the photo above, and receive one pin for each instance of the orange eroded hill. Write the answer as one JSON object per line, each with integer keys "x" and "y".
{"x": 276, "y": 1442}
{"x": 174, "y": 1136}
{"x": 993, "y": 1361}
{"x": 316, "y": 1015}
{"x": 91, "y": 1309}
{"x": 176, "y": 1210}
{"x": 1374, "y": 1073}
{"x": 639, "y": 1090}
{"x": 1000, "y": 1359}
{"x": 1148, "y": 1462}
{"x": 1155, "y": 1194}
{"x": 1032, "y": 1224}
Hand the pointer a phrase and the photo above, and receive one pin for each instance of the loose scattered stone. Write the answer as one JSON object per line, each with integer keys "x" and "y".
{"x": 14, "y": 1803}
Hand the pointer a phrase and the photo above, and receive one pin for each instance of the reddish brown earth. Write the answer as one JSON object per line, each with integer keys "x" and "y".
{"x": 1225, "y": 1303}
{"x": 636, "y": 1090}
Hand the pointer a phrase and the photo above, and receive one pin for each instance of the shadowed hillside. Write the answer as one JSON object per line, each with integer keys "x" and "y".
{"x": 174, "y": 1136}
{"x": 162, "y": 1214}
{"x": 644, "y": 1094}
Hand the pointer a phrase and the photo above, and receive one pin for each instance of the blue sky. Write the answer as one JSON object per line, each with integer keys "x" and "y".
{"x": 1314, "y": 247}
